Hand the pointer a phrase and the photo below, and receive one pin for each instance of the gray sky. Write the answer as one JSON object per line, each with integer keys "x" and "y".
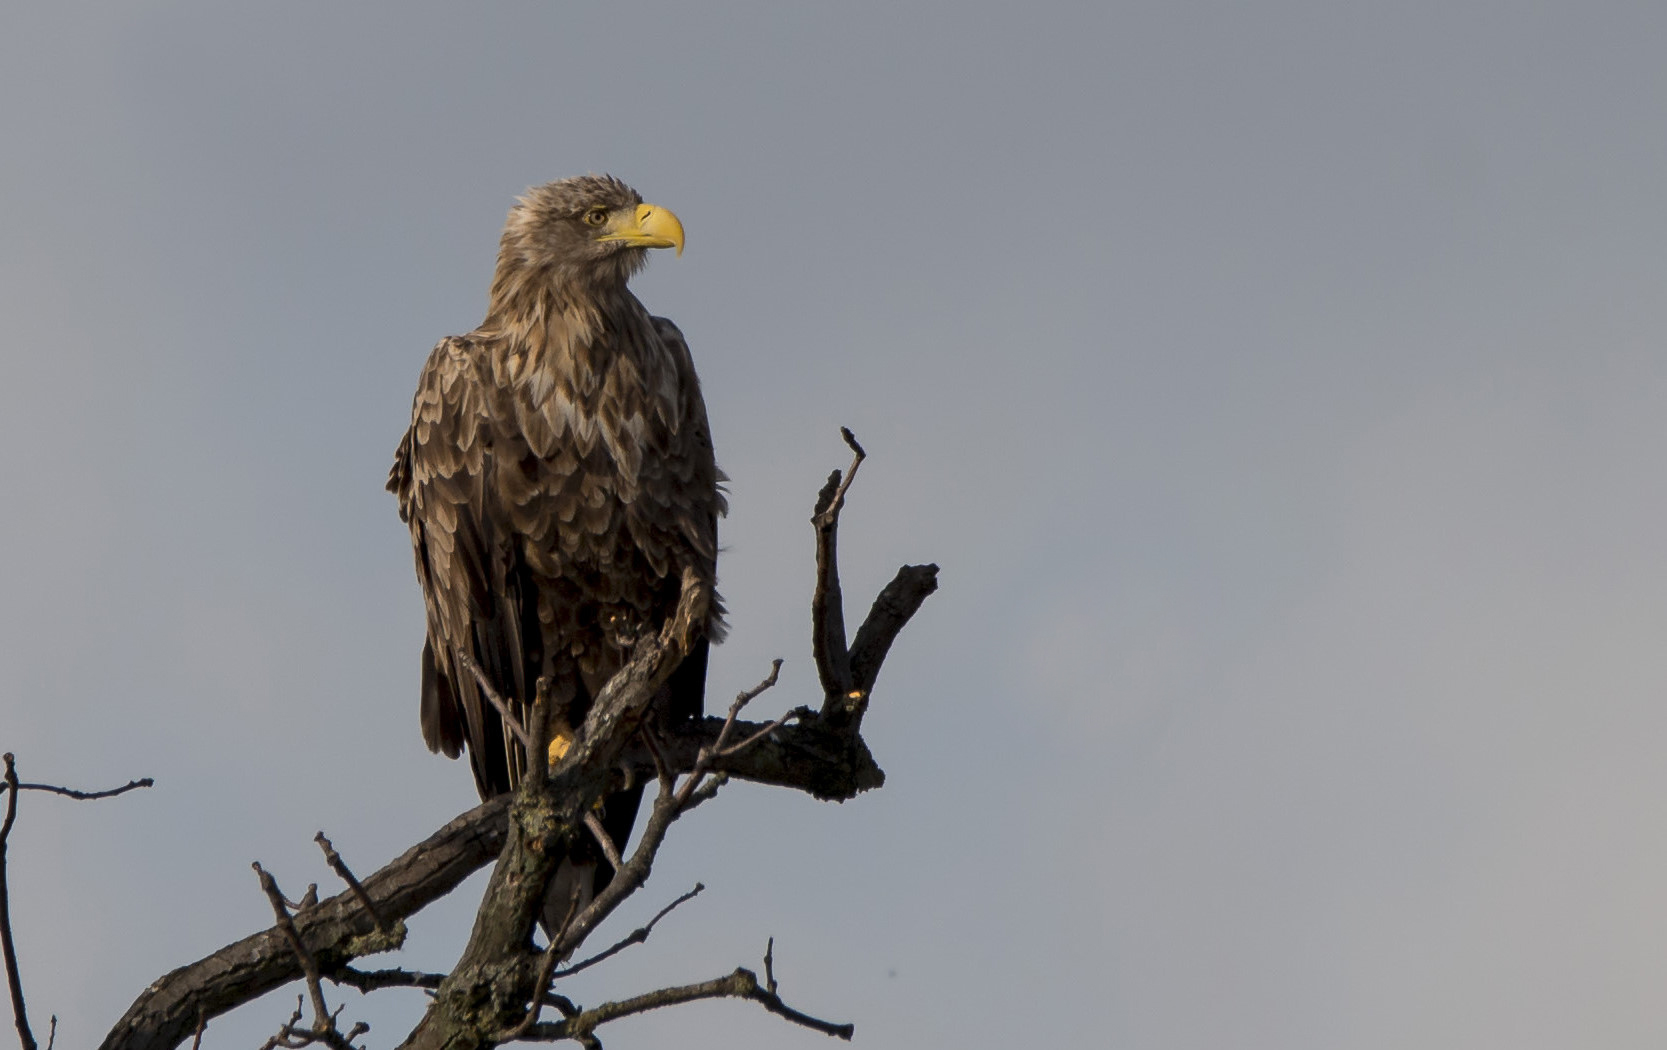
{"x": 1280, "y": 387}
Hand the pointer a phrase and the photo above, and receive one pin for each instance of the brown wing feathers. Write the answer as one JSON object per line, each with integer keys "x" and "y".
{"x": 557, "y": 477}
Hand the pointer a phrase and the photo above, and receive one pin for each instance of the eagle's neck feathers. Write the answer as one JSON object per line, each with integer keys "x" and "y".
{"x": 584, "y": 366}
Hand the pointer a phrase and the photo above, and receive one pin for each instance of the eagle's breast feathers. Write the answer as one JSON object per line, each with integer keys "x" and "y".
{"x": 557, "y": 478}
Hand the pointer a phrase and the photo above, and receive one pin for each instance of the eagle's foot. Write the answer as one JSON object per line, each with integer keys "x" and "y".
{"x": 561, "y": 741}
{"x": 694, "y": 608}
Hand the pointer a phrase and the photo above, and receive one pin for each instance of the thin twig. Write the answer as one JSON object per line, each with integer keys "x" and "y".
{"x": 770, "y": 965}
{"x": 835, "y": 502}
{"x": 546, "y": 967}
{"x": 496, "y": 701}
{"x": 142, "y": 782}
{"x": 202, "y": 1024}
{"x": 339, "y": 866}
{"x": 561, "y": 1003}
{"x": 13, "y": 980}
{"x": 291, "y": 1037}
{"x": 636, "y": 936}
{"x": 10, "y": 786}
{"x": 745, "y": 698}
{"x": 735, "y": 749}
{"x": 600, "y": 834}
{"x": 707, "y": 791}
{"x": 720, "y": 747}
{"x": 309, "y": 965}
{"x": 651, "y": 741}
{"x": 284, "y": 1030}
{"x": 742, "y": 984}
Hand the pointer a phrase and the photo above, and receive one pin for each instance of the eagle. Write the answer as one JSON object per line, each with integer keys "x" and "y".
{"x": 559, "y": 481}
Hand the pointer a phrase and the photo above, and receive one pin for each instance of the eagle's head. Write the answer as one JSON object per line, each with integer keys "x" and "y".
{"x": 587, "y": 234}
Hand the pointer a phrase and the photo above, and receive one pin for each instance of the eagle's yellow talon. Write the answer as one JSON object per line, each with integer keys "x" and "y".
{"x": 561, "y": 741}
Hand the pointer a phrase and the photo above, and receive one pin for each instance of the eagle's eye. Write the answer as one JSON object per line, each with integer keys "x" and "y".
{"x": 596, "y": 216}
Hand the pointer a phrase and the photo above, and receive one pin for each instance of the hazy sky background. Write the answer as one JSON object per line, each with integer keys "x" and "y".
{"x": 1280, "y": 386}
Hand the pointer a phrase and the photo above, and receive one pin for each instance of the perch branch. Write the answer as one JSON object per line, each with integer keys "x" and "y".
{"x": 496, "y": 985}
{"x": 496, "y": 968}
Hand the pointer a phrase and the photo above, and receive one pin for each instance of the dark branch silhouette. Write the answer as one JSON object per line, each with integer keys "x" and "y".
{"x": 502, "y": 982}
{"x": 12, "y": 788}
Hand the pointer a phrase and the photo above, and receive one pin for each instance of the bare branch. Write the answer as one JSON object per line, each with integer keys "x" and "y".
{"x": 830, "y": 503}
{"x": 797, "y": 714}
{"x": 747, "y": 697}
{"x": 309, "y": 965}
{"x": 636, "y": 936}
{"x": 802, "y": 756}
{"x": 282, "y": 1038}
{"x": 742, "y": 984}
{"x": 827, "y": 604}
{"x": 14, "y": 981}
{"x": 705, "y": 792}
{"x": 339, "y": 929}
{"x": 546, "y": 966}
{"x": 600, "y": 834}
{"x": 893, "y": 608}
{"x": 538, "y": 758}
{"x": 131, "y": 785}
{"x": 372, "y": 980}
{"x": 339, "y": 866}
{"x": 721, "y": 746}
{"x": 292, "y": 1037}
{"x": 491, "y": 694}
{"x": 500, "y": 984}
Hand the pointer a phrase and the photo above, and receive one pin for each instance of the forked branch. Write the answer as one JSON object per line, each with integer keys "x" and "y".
{"x": 496, "y": 990}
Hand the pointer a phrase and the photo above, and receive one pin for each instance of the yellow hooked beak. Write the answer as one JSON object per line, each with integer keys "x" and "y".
{"x": 650, "y": 227}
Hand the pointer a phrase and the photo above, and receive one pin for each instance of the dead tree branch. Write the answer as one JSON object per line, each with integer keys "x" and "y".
{"x": 84, "y": 796}
{"x": 827, "y": 604}
{"x": 335, "y": 931}
{"x": 495, "y": 991}
{"x": 636, "y": 936}
{"x": 339, "y": 866}
{"x": 8, "y": 950}
{"x": 485, "y": 685}
{"x": 322, "y": 1019}
{"x": 742, "y": 984}
{"x": 372, "y": 980}
{"x": 14, "y": 981}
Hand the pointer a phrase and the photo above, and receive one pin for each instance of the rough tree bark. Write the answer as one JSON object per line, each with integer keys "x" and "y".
{"x": 501, "y": 983}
